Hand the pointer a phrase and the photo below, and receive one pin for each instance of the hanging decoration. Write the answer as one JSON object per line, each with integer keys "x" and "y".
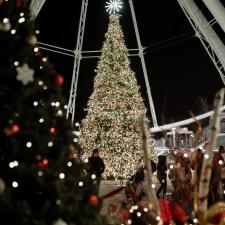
{"x": 58, "y": 79}
{"x": 25, "y": 74}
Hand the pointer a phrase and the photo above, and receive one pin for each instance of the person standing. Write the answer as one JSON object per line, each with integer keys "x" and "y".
{"x": 162, "y": 175}
{"x": 96, "y": 167}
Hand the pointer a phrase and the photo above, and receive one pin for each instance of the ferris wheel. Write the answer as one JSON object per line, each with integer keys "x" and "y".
{"x": 203, "y": 30}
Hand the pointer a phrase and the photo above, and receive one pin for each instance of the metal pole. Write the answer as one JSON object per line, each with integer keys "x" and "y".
{"x": 141, "y": 55}
{"x": 35, "y": 7}
{"x": 217, "y": 10}
{"x": 206, "y": 34}
{"x": 73, "y": 91}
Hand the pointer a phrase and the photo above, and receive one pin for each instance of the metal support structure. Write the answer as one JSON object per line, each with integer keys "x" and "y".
{"x": 78, "y": 56}
{"x": 85, "y": 54}
{"x": 183, "y": 122}
{"x": 141, "y": 55}
{"x": 35, "y": 7}
{"x": 206, "y": 34}
{"x": 73, "y": 90}
{"x": 217, "y": 10}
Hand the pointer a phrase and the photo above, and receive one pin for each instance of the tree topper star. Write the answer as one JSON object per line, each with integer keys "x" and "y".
{"x": 25, "y": 74}
{"x": 113, "y": 6}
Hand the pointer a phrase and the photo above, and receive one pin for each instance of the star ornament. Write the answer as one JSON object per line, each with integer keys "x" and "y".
{"x": 25, "y": 74}
{"x": 113, "y": 6}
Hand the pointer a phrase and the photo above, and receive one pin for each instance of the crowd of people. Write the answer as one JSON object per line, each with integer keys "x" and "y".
{"x": 179, "y": 174}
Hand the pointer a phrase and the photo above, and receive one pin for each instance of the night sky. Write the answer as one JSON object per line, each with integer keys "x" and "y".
{"x": 179, "y": 69}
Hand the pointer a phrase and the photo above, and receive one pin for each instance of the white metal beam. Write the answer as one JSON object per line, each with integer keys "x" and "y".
{"x": 35, "y": 7}
{"x": 183, "y": 122}
{"x": 206, "y": 34}
{"x": 218, "y": 11}
{"x": 73, "y": 90}
{"x": 84, "y": 54}
{"x": 141, "y": 55}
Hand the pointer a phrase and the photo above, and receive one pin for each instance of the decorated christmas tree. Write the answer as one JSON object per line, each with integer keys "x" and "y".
{"x": 114, "y": 109}
{"x": 42, "y": 180}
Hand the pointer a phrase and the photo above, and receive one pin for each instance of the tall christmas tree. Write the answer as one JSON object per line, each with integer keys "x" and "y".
{"x": 114, "y": 109}
{"x": 42, "y": 180}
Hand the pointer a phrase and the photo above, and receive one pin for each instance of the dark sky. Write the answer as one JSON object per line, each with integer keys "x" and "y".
{"x": 179, "y": 69}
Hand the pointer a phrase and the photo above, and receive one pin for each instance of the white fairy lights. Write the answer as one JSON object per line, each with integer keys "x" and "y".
{"x": 36, "y": 49}
{"x": 145, "y": 209}
{"x": 41, "y": 120}
{"x": 81, "y": 183}
{"x": 13, "y": 164}
{"x": 21, "y": 20}
{"x": 138, "y": 214}
{"x": 15, "y": 184}
{"x": 62, "y": 176}
{"x": 114, "y": 109}
{"x": 16, "y": 63}
{"x": 50, "y": 144}
{"x": 60, "y": 112}
{"x": 40, "y": 173}
{"x": 5, "y": 20}
{"x": 29, "y": 144}
{"x": 44, "y": 59}
{"x": 158, "y": 218}
{"x": 40, "y": 82}
{"x": 13, "y": 31}
{"x": 35, "y": 103}
{"x": 93, "y": 176}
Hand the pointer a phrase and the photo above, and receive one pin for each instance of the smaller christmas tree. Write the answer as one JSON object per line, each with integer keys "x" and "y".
{"x": 42, "y": 180}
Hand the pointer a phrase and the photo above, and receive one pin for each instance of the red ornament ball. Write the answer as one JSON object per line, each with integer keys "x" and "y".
{"x": 12, "y": 129}
{"x": 58, "y": 79}
{"x": 43, "y": 163}
{"x": 93, "y": 200}
{"x": 15, "y": 128}
{"x": 52, "y": 130}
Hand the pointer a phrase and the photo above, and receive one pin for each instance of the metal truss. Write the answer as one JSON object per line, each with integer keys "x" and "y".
{"x": 206, "y": 34}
